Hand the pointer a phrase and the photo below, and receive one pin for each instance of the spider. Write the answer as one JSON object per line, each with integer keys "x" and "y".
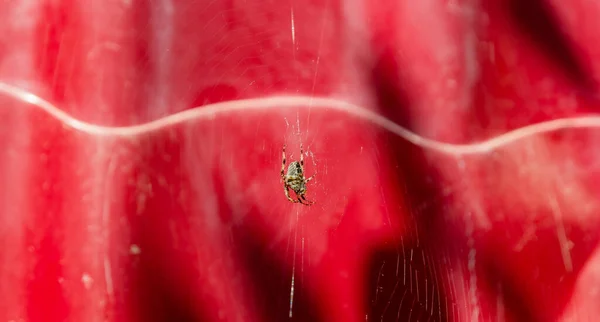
{"x": 294, "y": 179}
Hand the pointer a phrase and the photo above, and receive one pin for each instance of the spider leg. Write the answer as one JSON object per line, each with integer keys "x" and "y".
{"x": 306, "y": 202}
{"x": 283, "y": 163}
{"x": 300, "y": 200}
{"x": 301, "y": 155}
{"x": 287, "y": 193}
{"x": 310, "y": 178}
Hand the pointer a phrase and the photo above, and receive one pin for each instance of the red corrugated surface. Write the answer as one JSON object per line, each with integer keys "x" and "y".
{"x": 141, "y": 150}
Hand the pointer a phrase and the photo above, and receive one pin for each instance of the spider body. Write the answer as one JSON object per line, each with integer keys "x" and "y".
{"x": 294, "y": 179}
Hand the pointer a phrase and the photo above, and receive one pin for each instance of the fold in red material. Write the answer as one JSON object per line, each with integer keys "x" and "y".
{"x": 452, "y": 143}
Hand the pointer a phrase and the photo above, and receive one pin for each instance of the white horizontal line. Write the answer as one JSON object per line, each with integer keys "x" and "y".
{"x": 208, "y": 112}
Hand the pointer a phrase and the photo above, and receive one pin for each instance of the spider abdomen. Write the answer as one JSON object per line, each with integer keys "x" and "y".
{"x": 295, "y": 169}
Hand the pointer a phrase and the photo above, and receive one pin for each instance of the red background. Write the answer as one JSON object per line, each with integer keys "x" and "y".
{"x": 187, "y": 220}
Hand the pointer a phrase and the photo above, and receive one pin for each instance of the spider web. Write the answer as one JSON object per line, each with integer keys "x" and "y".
{"x": 183, "y": 208}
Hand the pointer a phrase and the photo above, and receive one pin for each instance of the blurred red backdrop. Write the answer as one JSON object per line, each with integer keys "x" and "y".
{"x": 112, "y": 211}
